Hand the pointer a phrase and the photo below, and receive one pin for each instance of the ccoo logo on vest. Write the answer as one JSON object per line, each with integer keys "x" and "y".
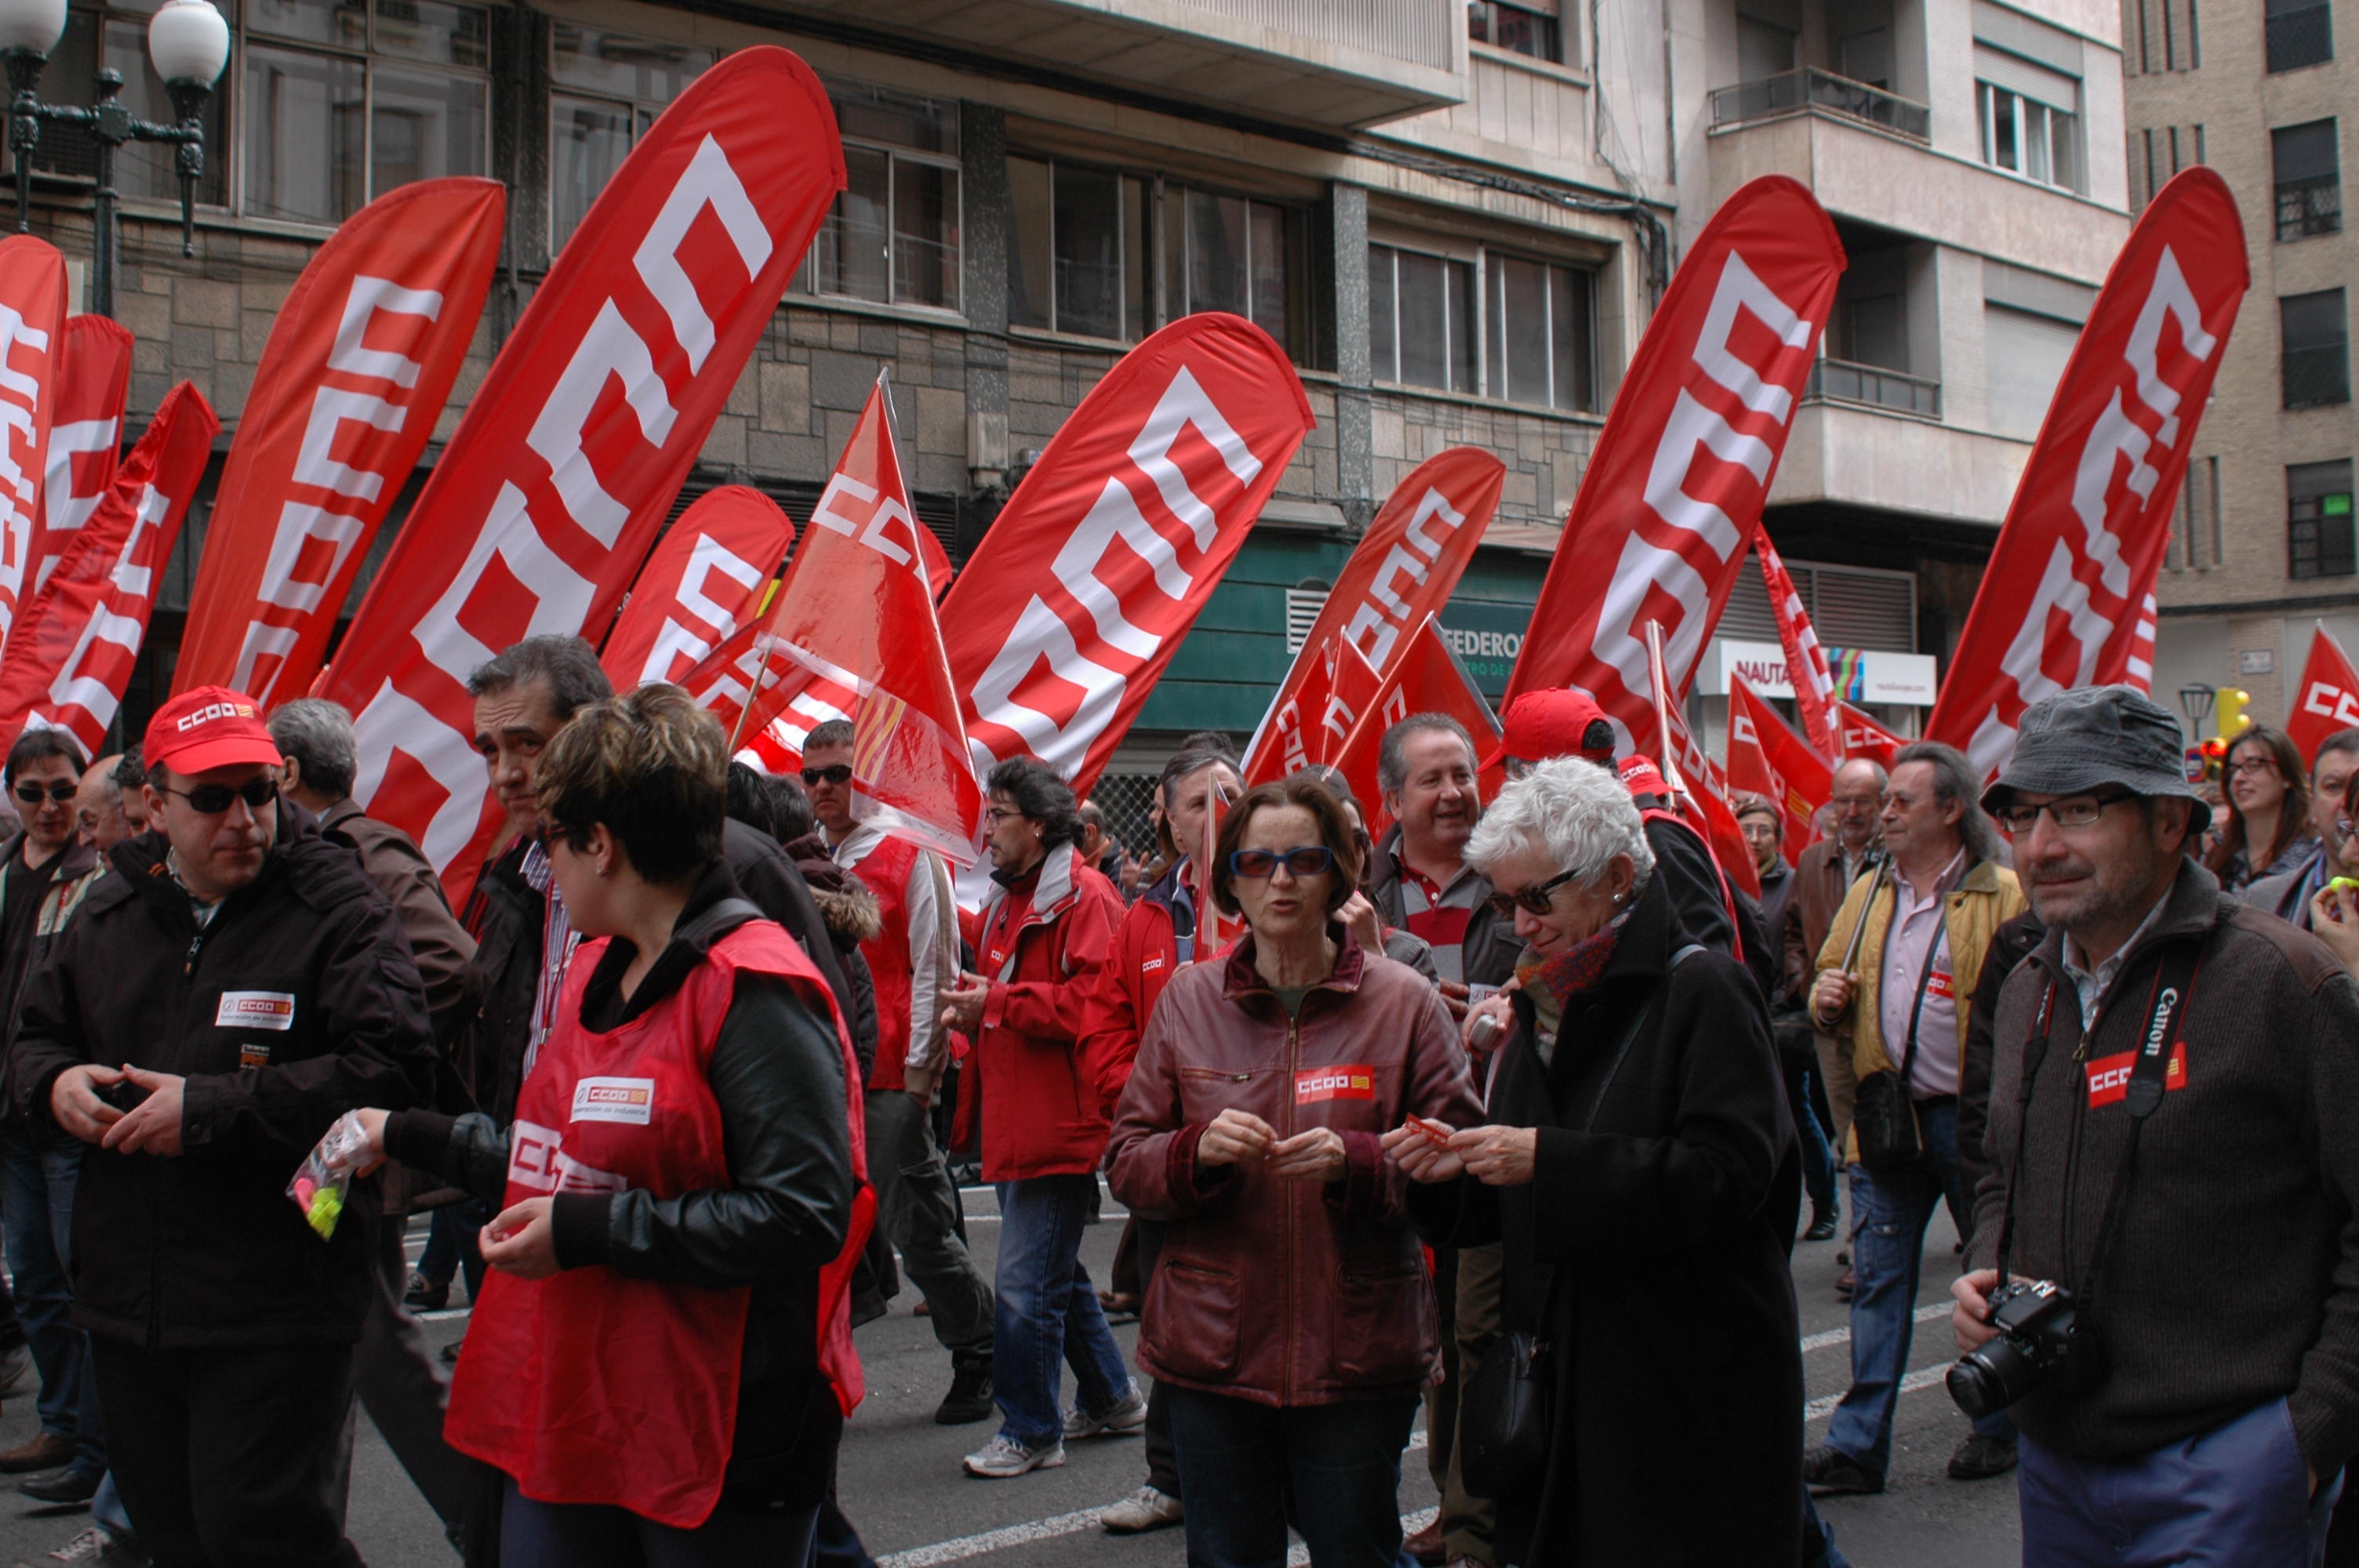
{"x": 631, "y": 1100}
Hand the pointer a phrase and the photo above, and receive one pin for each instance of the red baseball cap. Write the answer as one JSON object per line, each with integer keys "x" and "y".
{"x": 1640, "y": 777}
{"x": 212, "y": 727}
{"x": 1559, "y": 723}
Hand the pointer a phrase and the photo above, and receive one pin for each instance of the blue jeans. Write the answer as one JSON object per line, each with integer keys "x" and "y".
{"x": 1819, "y": 1548}
{"x": 2234, "y": 1497}
{"x": 1241, "y": 1462}
{"x": 1887, "y": 1249}
{"x": 586, "y": 1535}
{"x": 37, "y": 1195}
{"x": 1819, "y": 1163}
{"x": 451, "y": 1245}
{"x": 1045, "y": 1311}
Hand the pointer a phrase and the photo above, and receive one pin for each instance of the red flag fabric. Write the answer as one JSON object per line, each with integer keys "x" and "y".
{"x": 854, "y": 629}
{"x": 1699, "y": 783}
{"x": 551, "y": 490}
{"x": 1805, "y": 782}
{"x": 358, "y": 365}
{"x": 1284, "y": 741}
{"x": 1136, "y": 509}
{"x": 2328, "y": 698}
{"x": 2064, "y": 598}
{"x": 32, "y": 334}
{"x": 1674, "y": 489}
{"x": 1404, "y": 568}
{"x": 85, "y": 438}
{"x": 705, "y": 581}
{"x": 1215, "y": 928}
{"x": 1863, "y": 737}
{"x": 1426, "y": 677}
{"x": 70, "y": 655}
{"x": 1806, "y": 661}
{"x": 939, "y": 574}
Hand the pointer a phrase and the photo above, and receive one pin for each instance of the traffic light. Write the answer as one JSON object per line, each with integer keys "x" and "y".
{"x": 2213, "y": 755}
{"x": 2233, "y": 718}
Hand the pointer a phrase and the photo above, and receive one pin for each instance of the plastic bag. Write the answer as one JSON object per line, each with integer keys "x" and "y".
{"x": 325, "y": 1177}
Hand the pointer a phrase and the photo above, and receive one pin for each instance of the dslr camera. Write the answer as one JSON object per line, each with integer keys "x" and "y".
{"x": 2040, "y": 1338}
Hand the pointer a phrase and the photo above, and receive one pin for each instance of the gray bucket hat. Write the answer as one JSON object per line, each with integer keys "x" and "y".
{"x": 2094, "y": 736}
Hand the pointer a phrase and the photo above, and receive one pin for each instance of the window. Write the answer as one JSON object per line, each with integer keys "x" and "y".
{"x": 2319, "y": 541}
{"x": 1227, "y": 252}
{"x": 116, "y": 34}
{"x": 2033, "y": 137}
{"x": 609, "y": 87}
{"x": 1421, "y": 319}
{"x": 345, "y": 99}
{"x": 893, "y": 236}
{"x": 2310, "y": 180}
{"x": 2168, "y": 37}
{"x": 1539, "y": 324}
{"x": 1080, "y": 262}
{"x": 1526, "y": 29}
{"x": 2315, "y": 357}
{"x": 2300, "y": 33}
{"x": 2025, "y": 354}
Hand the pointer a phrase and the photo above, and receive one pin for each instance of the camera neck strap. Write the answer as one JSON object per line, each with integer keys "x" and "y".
{"x": 2142, "y": 1094}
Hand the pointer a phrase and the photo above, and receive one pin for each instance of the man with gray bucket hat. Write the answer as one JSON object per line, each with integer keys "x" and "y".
{"x": 2174, "y": 1137}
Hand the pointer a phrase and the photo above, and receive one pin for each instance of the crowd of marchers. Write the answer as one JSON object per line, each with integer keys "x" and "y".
{"x": 1504, "y": 1117}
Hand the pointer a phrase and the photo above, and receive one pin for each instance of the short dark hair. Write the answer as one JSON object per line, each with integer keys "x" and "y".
{"x": 1956, "y": 779}
{"x": 1334, "y": 831}
{"x": 1198, "y": 752}
{"x": 1761, "y": 805}
{"x": 1392, "y": 752}
{"x": 830, "y": 732}
{"x": 749, "y": 799}
{"x": 1041, "y": 794}
{"x": 1090, "y": 815}
{"x": 2342, "y": 742}
{"x": 128, "y": 771}
{"x": 569, "y": 665}
{"x": 40, "y": 743}
{"x": 791, "y": 816}
{"x": 653, "y": 769}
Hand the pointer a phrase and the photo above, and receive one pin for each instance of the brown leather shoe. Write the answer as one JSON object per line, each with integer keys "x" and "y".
{"x": 1426, "y": 1544}
{"x": 47, "y": 1451}
{"x": 1845, "y": 1283}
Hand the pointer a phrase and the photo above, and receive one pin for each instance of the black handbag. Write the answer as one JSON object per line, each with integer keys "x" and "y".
{"x": 1505, "y": 1413}
{"x": 1883, "y": 1111}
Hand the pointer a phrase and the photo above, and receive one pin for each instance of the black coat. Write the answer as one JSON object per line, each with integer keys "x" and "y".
{"x": 1678, "y": 1416}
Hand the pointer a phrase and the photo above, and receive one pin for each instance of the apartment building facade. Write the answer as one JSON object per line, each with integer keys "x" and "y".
{"x": 1457, "y": 219}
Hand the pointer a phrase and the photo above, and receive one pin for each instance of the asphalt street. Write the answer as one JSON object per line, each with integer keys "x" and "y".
{"x": 902, "y": 1485}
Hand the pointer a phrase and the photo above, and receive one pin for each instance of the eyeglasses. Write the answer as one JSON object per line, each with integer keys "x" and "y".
{"x": 1533, "y": 900}
{"x": 2254, "y": 765}
{"x": 31, "y": 793}
{"x": 833, "y": 773}
{"x": 2080, "y": 811}
{"x": 1303, "y": 860}
{"x": 211, "y": 800}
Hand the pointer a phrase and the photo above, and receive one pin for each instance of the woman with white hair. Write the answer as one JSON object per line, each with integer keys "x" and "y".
{"x": 1640, "y": 1165}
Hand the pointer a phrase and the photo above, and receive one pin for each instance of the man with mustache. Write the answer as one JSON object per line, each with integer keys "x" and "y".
{"x": 2172, "y": 1142}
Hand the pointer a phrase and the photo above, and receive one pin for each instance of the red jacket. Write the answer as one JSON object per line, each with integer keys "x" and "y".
{"x": 1042, "y": 941}
{"x": 1280, "y": 1291}
{"x": 912, "y": 957}
{"x": 1145, "y": 956}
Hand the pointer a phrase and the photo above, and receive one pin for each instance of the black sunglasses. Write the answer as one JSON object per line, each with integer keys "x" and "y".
{"x": 833, "y": 773}
{"x": 1304, "y": 861}
{"x": 61, "y": 792}
{"x": 211, "y": 800}
{"x": 1535, "y": 899}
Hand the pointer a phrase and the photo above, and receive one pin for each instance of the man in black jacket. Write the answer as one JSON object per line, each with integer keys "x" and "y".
{"x": 254, "y": 986}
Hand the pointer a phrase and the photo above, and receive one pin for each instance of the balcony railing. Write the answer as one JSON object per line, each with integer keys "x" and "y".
{"x": 2297, "y": 38}
{"x": 1813, "y": 89}
{"x": 1839, "y": 381}
{"x": 2307, "y": 207}
{"x": 2317, "y": 376}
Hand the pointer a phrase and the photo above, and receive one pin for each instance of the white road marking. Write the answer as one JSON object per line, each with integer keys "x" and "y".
{"x": 1923, "y": 1378}
{"x": 1842, "y": 1336}
{"x": 990, "y": 1540}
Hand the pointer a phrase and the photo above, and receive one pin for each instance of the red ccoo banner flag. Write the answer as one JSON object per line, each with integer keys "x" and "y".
{"x": 1137, "y": 508}
{"x": 32, "y": 333}
{"x": 2066, "y": 600}
{"x": 1674, "y": 490}
{"x": 2328, "y": 698}
{"x": 1404, "y": 568}
{"x": 705, "y": 581}
{"x": 70, "y": 655}
{"x": 85, "y": 438}
{"x": 1313, "y": 725}
{"x": 1806, "y": 661}
{"x": 553, "y": 486}
{"x": 1861, "y": 736}
{"x": 1426, "y": 677}
{"x": 355, "y": 372}
{"x": 1798, "y": 779}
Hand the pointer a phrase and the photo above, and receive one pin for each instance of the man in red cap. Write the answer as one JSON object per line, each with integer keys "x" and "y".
{"x": 214, "y": 1007}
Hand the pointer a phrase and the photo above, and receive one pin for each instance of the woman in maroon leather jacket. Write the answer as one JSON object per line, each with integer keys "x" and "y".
{"x": 1290, "y": 1312}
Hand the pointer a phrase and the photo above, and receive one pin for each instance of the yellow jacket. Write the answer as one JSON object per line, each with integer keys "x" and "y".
{"x": 1987, "y": 897}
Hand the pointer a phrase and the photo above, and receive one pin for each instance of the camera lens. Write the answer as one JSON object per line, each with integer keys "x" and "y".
{"x": 1989, "y": 1379}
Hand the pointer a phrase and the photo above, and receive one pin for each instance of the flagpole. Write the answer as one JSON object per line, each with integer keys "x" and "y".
{"x": 1656, "y": 677}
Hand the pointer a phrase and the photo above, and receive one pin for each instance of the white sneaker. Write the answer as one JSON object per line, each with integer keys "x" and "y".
{"x": 1004, "y": 1457}
{"x": 1143, "y": 1510}
{"x": 95, "y": 1548}
{"x": 1128, "y": 1415}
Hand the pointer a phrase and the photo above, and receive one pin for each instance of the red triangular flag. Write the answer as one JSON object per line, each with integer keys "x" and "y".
{"x": 2328, "y": 698}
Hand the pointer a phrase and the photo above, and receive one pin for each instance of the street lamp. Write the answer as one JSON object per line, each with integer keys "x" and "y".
{"x": 188, "y": 43}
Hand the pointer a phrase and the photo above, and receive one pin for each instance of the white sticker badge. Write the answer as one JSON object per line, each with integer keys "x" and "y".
{"x": 614, "y": 1099}
{"x": 255, "y": 1010}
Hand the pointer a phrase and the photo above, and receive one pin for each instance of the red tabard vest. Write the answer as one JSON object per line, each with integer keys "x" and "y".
{"x": 885, "y": 871}
{"x": 588, "y": 1387}
{"x": 1727, "y": 898}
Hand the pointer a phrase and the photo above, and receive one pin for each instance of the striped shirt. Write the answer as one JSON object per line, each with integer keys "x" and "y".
{"x": 1441, "y": 914}
{"x": 557, "y": 939}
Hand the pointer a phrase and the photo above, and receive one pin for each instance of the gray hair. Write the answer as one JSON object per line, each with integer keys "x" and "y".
{"x": 1874, "y": 769}
{"x": 318, "y": 734}
{"x": 1392, "y": 752}
{"x": 1956, "y": 779}
{"x": 1573, "y": 811}
{"x": 570, "y": 665}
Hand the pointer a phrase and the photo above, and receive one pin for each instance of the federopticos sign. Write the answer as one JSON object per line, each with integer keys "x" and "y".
{"x": 1862, "y": 674}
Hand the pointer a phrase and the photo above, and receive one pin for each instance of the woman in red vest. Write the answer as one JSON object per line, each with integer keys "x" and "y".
{"x": 661, "y": 1360}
